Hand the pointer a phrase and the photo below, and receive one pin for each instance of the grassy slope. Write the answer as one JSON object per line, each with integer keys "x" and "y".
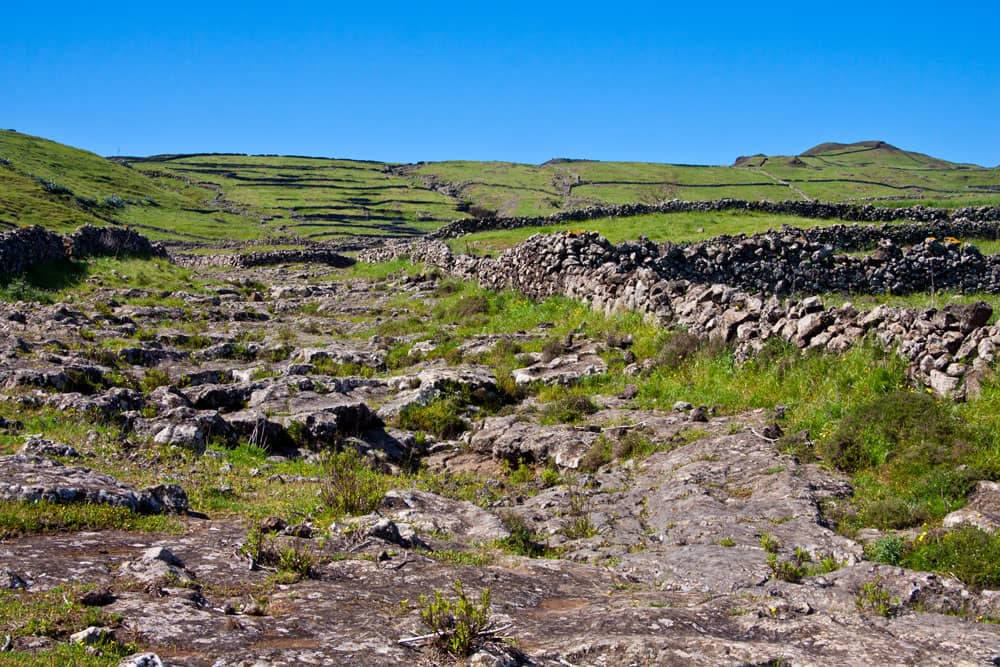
{"x": 167, "y": 210}
{"x": 875, "y": 169}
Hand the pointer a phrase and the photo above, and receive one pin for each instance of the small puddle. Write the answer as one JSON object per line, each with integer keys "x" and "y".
{"x": 561, "y": 604}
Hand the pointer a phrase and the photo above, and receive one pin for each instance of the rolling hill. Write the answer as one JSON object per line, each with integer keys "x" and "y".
{"x": 224, "y": 197}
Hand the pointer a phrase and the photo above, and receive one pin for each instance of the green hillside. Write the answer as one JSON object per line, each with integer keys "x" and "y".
{"x": 210, "y": 198}
{"x": 47, "y": 183}
{"x": 877, "y": 170}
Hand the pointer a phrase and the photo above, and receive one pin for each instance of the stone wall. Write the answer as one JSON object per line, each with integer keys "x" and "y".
{"x": 90, "y": 241}
{"x": 315, "y": 255}
{"x": 805, "y": 209}
{"x": 26, "y": 247}
{"x": 948, "y": 350}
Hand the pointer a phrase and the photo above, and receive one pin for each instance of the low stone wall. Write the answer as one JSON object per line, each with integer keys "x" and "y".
{"x": 265, "y": 258}
{"x": 26, "y": 247}
{"x": 90, "y": 241}
{"x": 805, "y": 209}
{"x": 948, "y": 350}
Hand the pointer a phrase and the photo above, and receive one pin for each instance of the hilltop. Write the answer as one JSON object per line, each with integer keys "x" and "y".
{"x": 225, "y": 197}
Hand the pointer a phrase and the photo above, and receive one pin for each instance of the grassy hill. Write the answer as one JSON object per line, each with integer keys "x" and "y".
{"x": 877, "y": 170}
{"x": 210, "y": 197}
{"x": 60, "y": 187}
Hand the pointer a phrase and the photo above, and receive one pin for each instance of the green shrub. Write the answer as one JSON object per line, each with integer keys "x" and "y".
{"x": 567, "y": 410}
{"x": 969, "y": 553}
{"x": 874, "y": 598}
{"x": 555, "y": 347}
{"x": 439, "y": 417}
{"x": 153, "y": 378}
{"x": 678, "y": 347}
{"x": 598, "y": 455}
{"x": 459, "y": 624}
{"x": 263, "y": 550}
{"x": 888, "y": 549}
{"x": 469, "y": 306}
{"x": 350, "y": 485}
{"x": 522, "y": 540}
{"x": 905, "y": 425}
{"x": 769, "y": 543}
{"x": 298, "y": 563}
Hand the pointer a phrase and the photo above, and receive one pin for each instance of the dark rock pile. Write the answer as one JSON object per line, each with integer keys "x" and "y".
{"x": 26, "y": 247}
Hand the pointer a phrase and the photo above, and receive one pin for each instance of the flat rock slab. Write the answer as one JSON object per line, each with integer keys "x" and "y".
{"x": 355, "y": 610}
{"x": 512, "y": 439}
{"x": 431, "y": 383}
{"x": 27, "y": 478}
{"x": 431, "y": 513}
{"x": 564, "y": 369}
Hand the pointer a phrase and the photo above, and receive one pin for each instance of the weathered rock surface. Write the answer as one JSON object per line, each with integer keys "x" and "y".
{"x": 517, "y": 441}
{"x": 28, "y": 478}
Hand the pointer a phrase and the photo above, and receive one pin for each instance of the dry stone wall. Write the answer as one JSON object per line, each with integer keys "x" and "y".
{"x": 805, "y": 209}
{"x": 26, "y": 247}
{"x": 312, "y": 255}
{"x": 949, "y": 350}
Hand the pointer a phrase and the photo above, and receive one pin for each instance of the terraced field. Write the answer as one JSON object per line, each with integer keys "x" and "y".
{"x": 223, "y": 198}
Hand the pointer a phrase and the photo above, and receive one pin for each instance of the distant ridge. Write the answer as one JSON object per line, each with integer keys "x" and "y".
{"x": 833, "y": 146}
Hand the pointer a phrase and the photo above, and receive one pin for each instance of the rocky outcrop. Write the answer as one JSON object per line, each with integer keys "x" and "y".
{"x": 28, "y": 478}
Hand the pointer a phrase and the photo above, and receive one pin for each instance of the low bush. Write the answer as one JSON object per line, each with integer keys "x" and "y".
{"x": 351, "y": 486}
{"x": 440, "y": 417}
{"x": 459, "y": 624}
{"x": 968, "y": 553}
{"x": 888, "y": 549}
{"x": 567, "y": 410}
{"x": 522, "y": 540}
{"x": 910, "y": 426}
{"x": 875, "y": 599}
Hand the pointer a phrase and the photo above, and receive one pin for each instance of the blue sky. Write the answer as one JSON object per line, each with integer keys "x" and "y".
{"x": 665, "y": 82}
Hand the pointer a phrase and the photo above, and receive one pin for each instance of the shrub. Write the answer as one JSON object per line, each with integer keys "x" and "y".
{"x": 553, "y": 348}
{"x": 54, "y": 188}
{"x": 598, "y": 455}
{"x": 567, "y": 410}
{"x": 874, "y": 598}
{"x": 293, "y": 561}
{"x": 264, "y": 551}
{"x": 969, "y": 553}
{"x": 350, "y": 485}
{"x": 153, "y": 378}
{"x": 459, "y": 624}
{"x": 911, "y": 426}
{"x": 440, "y": 417}
{"x": 679, "y": 346}
{"x": 888, "y": 549}
{"x": 769, "y": 543}
{"x": 114, "y": 201}
{"x": 522, "y": 540}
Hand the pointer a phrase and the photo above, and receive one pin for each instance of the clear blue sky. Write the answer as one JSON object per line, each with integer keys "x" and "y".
{"x": 693, "y": 82}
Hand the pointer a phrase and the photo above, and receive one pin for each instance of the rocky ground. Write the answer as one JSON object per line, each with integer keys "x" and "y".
{"x": 617, "y": 534}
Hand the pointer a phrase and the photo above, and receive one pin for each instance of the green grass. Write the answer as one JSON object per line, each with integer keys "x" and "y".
{"x": 73, "y": 281}
{"x": 21, "y": 518}
{"x": 659, "y": 227}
